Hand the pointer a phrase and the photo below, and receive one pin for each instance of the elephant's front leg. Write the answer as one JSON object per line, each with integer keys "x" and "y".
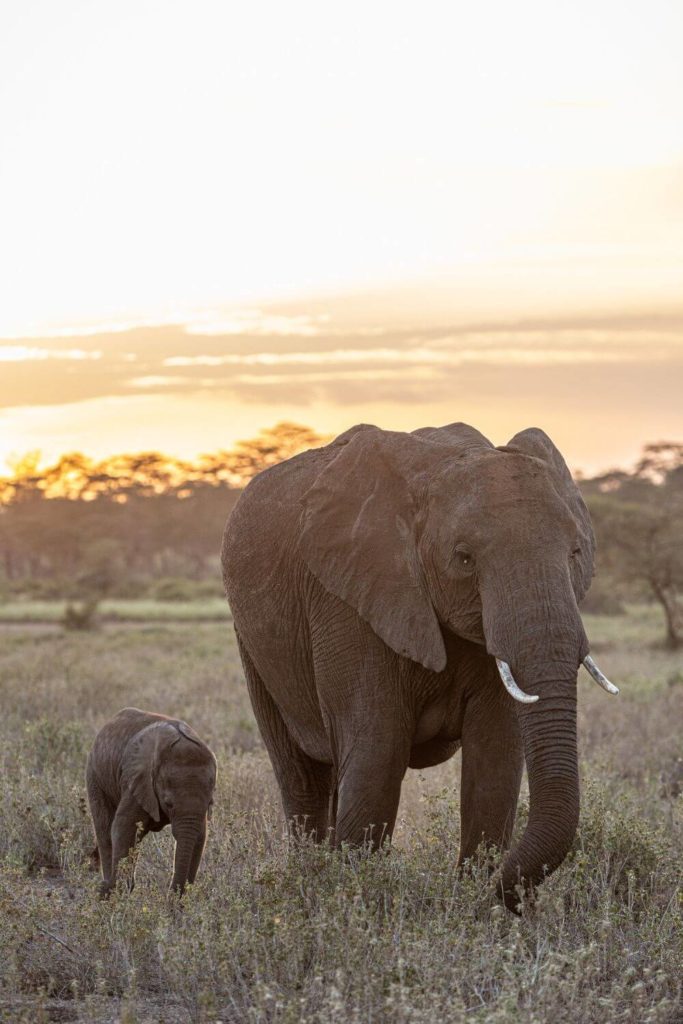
{"x": 492, "y": 762}
{"x": 197, "y": 854}
{"x": 102, "y": 811}
{"x": 126, "y": 831}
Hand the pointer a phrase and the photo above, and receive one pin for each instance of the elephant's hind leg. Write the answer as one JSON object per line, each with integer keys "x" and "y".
{"x": 369, "y": 794}
{"x": 102, "y": 813}
{"x": 306, "y": 785}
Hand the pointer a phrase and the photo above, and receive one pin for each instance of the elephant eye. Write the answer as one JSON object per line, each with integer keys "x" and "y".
{"x": 576, "y": 552}
{"x": 464, "y": 560}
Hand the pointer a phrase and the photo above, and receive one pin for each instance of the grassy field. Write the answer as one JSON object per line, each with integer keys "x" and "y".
{"x": 119, "y": 610}
{"x": 280, "y": 931}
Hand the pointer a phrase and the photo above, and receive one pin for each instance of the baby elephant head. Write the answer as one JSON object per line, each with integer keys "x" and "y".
{"x": 172, "y": 775}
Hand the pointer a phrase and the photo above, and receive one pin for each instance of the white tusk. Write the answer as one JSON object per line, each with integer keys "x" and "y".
{"x": 599, "y": 677}
{"x": 510, "y": 684}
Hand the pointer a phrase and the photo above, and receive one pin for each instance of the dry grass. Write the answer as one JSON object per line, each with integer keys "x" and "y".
{"x": 119, "y": 610}
{"x": 278, "y": 931}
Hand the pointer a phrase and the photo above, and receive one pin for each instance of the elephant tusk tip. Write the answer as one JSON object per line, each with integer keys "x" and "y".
{"x": 511, "y": 686}
{"x": 599, "y": 676}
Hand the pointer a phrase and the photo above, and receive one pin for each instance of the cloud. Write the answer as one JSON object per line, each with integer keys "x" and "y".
{"x": 284, "y": 357}
{"x": 25, "y": 353}
{"x": 416, "y": 356}
{"x": 258, "y": 323}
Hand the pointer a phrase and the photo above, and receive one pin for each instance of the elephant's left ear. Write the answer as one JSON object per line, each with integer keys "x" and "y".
{"x": 140, "y": 759}
{"x": 536, "y": 442}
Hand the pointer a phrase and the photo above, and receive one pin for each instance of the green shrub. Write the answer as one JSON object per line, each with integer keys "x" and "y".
{"x": 81, "y": 615}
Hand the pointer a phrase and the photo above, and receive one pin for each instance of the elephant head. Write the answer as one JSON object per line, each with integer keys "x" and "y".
{"x": 440, "y": 531}
{"x": 172, "y": 775}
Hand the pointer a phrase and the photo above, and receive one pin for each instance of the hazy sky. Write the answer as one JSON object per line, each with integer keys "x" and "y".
{"x": 402, "y": 213}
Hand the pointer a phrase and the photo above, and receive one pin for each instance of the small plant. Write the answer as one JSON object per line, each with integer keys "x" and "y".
{"x": 81, "y": 615}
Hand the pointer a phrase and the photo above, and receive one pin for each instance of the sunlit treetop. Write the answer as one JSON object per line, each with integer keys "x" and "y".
{"x": 120, "y": 478}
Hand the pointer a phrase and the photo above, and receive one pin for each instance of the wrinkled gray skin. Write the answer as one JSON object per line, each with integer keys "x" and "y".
{"x": 146, "y": 771}
{"x": 372, "y": 583}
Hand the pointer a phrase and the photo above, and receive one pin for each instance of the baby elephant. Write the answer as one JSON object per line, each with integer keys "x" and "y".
{"x": 146, "y": 771}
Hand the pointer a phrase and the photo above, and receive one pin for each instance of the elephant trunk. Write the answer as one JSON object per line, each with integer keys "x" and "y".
{"x": 186, "y": 832}
{"x": 549, "y": 740}
{"x": 543, "y": 640}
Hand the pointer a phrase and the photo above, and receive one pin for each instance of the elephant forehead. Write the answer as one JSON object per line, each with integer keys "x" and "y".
{"x": 515, "y": 482}
{"x": 184, "y": 756}
{"x": 182, "y": 775}
{"x": 503, "y": 490}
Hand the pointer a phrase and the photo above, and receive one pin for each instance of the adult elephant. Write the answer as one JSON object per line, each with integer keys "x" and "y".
{"x": 384, "y": 588}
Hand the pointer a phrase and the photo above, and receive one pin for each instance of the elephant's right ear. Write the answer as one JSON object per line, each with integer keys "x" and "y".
{"x": 358, "y": 538}
{"x": 140, "y": 759}
{"x": 536, "y": 442}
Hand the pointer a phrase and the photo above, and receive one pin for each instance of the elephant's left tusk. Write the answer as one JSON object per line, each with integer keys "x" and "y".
{"x": 510, "y": 684}
{"x": 599, "y": 677}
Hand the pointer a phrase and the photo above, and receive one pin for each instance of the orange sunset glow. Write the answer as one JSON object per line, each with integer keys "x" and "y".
{"x": 218, "y": 217}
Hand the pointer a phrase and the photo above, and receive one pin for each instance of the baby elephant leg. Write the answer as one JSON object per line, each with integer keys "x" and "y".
{"x": 102, "y": 812}
{"x": 126, "y": 831}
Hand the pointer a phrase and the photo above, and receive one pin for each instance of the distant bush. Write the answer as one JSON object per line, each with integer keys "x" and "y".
{"x": 209, "y": 588}
{"x": 603, "y": 598}
{"x": 129, "y": 588}
{"x": 81, "y": 615}
{"x": 137, "y": 586}
{"x": 48, "y": 588}
{"x": 172, "y": 588}
{"x": 177, "y": 588}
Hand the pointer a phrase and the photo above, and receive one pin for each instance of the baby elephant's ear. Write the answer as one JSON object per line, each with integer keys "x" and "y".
{"x": 140, "y": 759}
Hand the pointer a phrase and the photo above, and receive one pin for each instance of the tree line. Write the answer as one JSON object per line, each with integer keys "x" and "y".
{"x": 129, "y": 525}
{"x": 83, "y": 527}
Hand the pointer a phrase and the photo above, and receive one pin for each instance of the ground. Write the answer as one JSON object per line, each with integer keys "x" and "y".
{"x": 281, "y": 931}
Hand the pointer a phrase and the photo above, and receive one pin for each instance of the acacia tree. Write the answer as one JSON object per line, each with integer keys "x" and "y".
{"x": 157, "y": 515}
{"x": 270, "y": 446}
{"x": 639, "y": 523}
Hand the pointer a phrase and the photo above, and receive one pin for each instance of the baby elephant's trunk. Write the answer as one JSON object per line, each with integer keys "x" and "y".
{"x": 190, "y": 836}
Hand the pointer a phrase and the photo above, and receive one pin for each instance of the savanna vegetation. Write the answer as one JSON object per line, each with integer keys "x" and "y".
{"x": 638, "y": 519}
{"x": 130, "y": 526}
{"x": 101, "y": 535}
{"x": 277, "y": 930}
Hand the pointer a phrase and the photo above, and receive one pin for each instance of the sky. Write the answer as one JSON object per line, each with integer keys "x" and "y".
{"x": 215, "y": 216}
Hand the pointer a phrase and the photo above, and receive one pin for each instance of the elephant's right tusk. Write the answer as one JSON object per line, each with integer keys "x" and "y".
{"x": 599, "y": 677}
{"x": 510, "y": 684}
